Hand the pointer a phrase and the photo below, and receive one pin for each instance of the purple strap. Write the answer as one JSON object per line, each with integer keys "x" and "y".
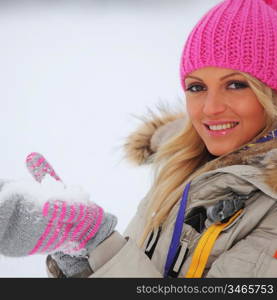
{"x": 175, "y": 240}
{"x": 272, "y": 134}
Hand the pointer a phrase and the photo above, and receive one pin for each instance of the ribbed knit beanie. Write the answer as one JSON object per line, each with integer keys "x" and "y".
{"x": 235, "y": 34}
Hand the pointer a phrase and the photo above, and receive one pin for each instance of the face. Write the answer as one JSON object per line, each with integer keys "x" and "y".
{"x": 223, "y": 109}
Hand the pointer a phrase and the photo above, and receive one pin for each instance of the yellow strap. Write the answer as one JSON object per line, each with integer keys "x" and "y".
{"x": 204, "y": 248}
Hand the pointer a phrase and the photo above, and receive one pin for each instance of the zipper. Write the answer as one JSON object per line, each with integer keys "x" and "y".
{"x": 205, "y": 245}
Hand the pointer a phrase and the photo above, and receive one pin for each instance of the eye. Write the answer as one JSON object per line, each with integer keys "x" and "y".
{"x": 235, "y": 85}
{"x": 195, "y": 88}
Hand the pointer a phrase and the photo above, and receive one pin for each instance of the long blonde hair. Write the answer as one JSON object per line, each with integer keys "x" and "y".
{"x": 185, "y": 156}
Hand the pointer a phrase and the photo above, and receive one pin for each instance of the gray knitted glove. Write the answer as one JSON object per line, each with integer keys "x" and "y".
{"x": 79, "y": 266}
{"x": 49, "y": 217}
{"x": 43, "y": 218}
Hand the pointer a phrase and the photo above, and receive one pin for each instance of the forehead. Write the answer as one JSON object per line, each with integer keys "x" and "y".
{"x": 213, "y": 72}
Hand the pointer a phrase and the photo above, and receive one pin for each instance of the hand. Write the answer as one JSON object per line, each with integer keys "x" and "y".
{"x": 47, "y": 218}
{"x": 51, "y": 218}
{"x": 65, "y": 265}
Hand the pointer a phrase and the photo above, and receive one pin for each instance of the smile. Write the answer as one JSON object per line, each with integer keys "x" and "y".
{"x": 220, "y": 129}
{"x": 223, "y": 126}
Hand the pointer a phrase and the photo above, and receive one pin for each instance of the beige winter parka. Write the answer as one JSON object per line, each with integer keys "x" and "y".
{"x": 245, "y": 248}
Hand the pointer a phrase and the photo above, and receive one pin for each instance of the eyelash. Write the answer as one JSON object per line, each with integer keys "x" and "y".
{"x": 242, "y": 84}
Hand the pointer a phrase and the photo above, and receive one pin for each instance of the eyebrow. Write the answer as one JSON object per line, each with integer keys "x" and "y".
{"x": 228, "y": 75}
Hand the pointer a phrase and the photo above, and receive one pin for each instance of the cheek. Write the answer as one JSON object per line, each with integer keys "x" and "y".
{"x": 258, "y": 119}
{"x": 252, "y": 111}
{"x": 193, "y": 110}
{"x": 195, "y": 115}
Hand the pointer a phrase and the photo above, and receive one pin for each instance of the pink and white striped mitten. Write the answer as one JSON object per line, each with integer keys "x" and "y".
{"x": 49, "y": 218}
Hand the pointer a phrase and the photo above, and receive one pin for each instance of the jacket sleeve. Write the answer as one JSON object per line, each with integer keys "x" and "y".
{"x": 129, "y": 260}
{"x": 252, "y": 257}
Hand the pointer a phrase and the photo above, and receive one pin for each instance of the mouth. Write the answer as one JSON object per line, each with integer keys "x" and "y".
{"x": 221, "y": 128}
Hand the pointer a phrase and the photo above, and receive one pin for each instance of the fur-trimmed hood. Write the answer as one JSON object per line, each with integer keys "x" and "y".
{"x": 156, "y": 129}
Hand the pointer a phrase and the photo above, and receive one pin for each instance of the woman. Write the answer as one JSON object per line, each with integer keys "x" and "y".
{"x": 230, "y": 85}
{"x": 212, "y": 209}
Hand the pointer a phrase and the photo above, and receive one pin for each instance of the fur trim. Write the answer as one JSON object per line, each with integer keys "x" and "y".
{"x": 144, "y": 142}
{"x": 262, "y": 156}
{"x": 270, "y": 172}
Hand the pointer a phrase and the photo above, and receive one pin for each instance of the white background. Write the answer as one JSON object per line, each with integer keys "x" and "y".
{"x": 72, "y": 74}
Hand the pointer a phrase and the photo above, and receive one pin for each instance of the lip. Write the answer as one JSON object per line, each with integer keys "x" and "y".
{"x": 219, "y": 122}
{"x": 222, "y": 132}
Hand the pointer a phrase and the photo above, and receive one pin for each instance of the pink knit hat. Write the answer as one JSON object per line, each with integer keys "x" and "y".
{"x": 235, "y": 34}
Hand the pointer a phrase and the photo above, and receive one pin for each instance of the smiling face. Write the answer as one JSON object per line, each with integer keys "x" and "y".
{"x": 223, "y": 109}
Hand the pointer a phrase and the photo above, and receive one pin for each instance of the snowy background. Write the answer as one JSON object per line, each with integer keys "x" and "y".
{"x": 72, "y": 75}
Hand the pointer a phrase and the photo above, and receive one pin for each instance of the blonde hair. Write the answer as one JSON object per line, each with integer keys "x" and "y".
{"x": 185, "y": 156}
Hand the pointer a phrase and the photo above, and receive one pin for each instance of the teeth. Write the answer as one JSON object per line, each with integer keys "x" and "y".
{"x": 222, "y": 126}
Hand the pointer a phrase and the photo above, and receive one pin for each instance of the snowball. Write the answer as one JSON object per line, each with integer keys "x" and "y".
{"x": 40, "y": 193}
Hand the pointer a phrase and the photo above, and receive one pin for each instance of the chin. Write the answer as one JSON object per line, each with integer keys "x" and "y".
{"x": 219, "y": 152}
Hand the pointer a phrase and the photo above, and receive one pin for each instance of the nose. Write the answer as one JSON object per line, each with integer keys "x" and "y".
{"x": 214, "y": 104}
